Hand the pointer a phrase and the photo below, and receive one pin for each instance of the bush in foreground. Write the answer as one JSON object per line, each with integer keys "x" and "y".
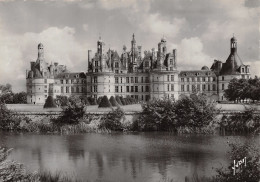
{"x": 49, "y": 103}
{"x": 104, "y": 102}
{"x": 13, "y": 171}
{"x": 250, "y": 172}
{"x": 122, "y": 101}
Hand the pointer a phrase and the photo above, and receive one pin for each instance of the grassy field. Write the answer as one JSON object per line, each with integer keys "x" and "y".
{"x": 39, "y": 108}
{"x": 127, "y": 108}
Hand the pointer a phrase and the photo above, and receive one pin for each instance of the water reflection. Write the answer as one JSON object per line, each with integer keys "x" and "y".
{"x": 121, "y": 157}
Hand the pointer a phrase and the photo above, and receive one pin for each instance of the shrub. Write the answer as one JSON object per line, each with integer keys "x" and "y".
{"x": 112, "y": 120}
{"x": 126, "y": 101}
{"x": 158, "y": 114}
{"x": 122, "y": 100}
{"x": 8, "y": 119}
{"x": 95, "y": 101}
{"x": 84, "y": 100}
{"x": 61, "y": 100}
{"x": 104, "y": 102}
{"x": 113, "y": 101}
{"x": 13, "y": 171}
{"x": 99, "y": 100}
{"x": 49, "y": 103}
{"x": 71, "y": 114}
{"x": 195, "y": 111}
{"x": 118, "y": 100}
{"x": 245, "y": 122}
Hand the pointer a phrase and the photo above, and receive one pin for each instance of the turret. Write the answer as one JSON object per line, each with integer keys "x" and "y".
{"x": 233, "y": 45}
{"x": 40, "y": 51}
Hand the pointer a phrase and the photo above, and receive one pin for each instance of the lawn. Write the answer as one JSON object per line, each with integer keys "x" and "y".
{"x": 39, "y": 108}
{"x": 127, "y": 108}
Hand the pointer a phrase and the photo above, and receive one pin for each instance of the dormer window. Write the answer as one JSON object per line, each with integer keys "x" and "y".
{"x": 67, "y": 76}
{"x": 77, "y": 76}
{"x": 243, "y": 70}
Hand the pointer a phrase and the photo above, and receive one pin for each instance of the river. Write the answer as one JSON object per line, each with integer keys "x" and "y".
{"x": 141, "y": 157}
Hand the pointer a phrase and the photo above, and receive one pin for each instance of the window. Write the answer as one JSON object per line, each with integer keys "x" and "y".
{"x": 45, "y": 80}
{"x": 198, "y": 79}
{"x": 136, "y": 88}
{"x": 61, "y": 81}
{"x": 116, "y": 65}
{"x": 172, "y": 87}
{"x": 182, "y": 88}
{"x": 96, "y": 63}
{"x": 45, "y": 86}
{"x": 214, "y": 79}
{"x": 204, "y": 79}
{"x": 132, "y": 88}
{"x": 172, "y": 78}
{"x": 62, "y": 90}
{"x": 67, "y": 81}
{"x": 198, "y": 87}
{"x": 116, "y": 79}
{"x": 95, "y": 79}
{"x": 193, "y": 88}
{"x": 188, "y": 88}
{"x": 77, "y": 89}
{"x": 117, "y": 71}
{"x": 132, "y": 79}
{"x": 127, "y": 79}
{"x": 171, "y": 68}
{"x": 121, "y": 80}
{"x": 95, "y": 88}
{"x": 214, "y": 87}
{"x": 136, "y": 79}
{"x": 147, "y": 88}
{"x": 209, "y": 79}
{"x": 223, "y": 87}
{"x": 127, "y": 88}
{"x": 72, "y": 89}
{"x": 171, "y": 62}
{"x": 182, "y": 79}
{"x": 168, "y": 78}
{"x": 121, "y": 89}
{"x": 146, "y": 64}
{"x": 142, "y": 80}
{"x": 223, "y": 78}
{"x": 45, "y": 91}
{"x": 188, "y": 79}
{"x": 146, "y": 79}
{"x": 203, "y": 87}
{"x": 96, "y": 70}
{"x": 67, "y": 89}
{"x": 193, "y": 79}
{"x": 209, "y": 87}
{"x": 142, "y": 88}
{"x": 243, "y": 70}
{"x": 168, "y": 87}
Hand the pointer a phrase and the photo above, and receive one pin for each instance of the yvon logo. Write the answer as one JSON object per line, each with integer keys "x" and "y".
{"x": 237, "y": 164}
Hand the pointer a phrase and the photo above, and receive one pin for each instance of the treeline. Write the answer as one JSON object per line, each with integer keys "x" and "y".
{"x": 7, "y": 96}
{"x": 241, "y": 90}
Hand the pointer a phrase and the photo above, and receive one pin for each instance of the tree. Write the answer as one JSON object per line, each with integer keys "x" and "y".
{"x": 194, "y": 112}
{"x": 104, "y": 102}
{"x": 84, "y": 100}
{"x": 61, "y": 100}
{"x": 113, "y": 101}
{"x": 118, "y": 100}
{"x": 231, "y": 93}
{"x": 20, "y": 98}
{"x": 49, "y": 103}
{"x": 71, "y": 114}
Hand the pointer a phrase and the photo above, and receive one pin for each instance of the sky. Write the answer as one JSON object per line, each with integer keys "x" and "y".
{"x": 200, "y": 30}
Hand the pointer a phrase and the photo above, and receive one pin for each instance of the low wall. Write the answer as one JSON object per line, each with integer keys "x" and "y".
{"x": 129, "y": 116}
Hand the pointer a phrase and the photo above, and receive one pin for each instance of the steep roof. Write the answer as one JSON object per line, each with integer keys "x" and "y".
{"x": 71, "y": 75}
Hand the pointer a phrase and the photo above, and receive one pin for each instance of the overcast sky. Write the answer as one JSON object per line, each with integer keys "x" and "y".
{"x": 199, "y": 29}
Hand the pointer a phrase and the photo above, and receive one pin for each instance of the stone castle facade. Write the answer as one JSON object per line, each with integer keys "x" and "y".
{"x": 153, "y": 75}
